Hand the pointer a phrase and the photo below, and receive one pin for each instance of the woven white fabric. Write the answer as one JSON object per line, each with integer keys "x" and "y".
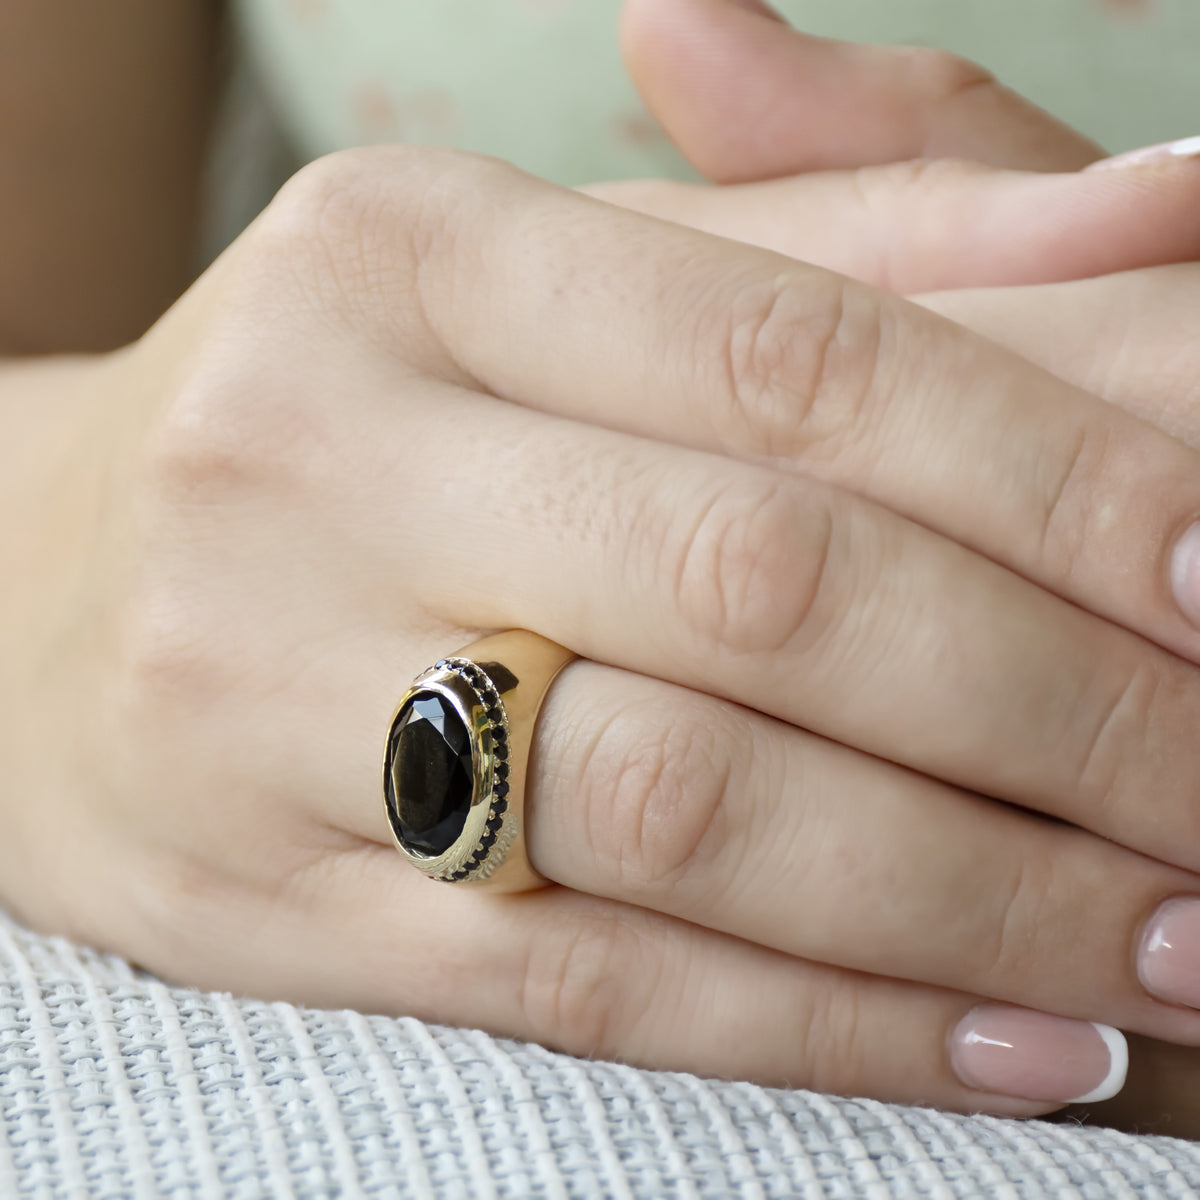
{"x": 114, "y": 1085}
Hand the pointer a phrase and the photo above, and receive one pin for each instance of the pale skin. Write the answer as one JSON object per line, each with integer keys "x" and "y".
{"x": 791, "y": 571}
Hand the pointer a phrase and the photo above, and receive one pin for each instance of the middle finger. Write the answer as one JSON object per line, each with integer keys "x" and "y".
{"x": 802, "y": 601}
{"x": 688, "y": 338}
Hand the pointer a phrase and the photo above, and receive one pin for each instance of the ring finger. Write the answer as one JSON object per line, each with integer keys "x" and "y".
{"x": 659, "y": 797}
{"x": 669, "y": 800}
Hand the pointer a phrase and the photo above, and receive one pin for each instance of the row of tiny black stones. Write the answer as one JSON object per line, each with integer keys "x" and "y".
{"x": 485, "y": 689}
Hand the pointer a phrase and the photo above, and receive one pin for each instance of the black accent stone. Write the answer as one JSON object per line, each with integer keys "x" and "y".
{"x": 500, "y": 676}
{"x": 502, "y": 770}
{"x": 495, "y": 824}
{"x": 430, "y": 778}
{"x": 501, "y": 789}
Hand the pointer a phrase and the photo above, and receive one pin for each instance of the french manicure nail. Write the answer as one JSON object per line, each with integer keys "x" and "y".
{"x": 1033, "y": 1056}
{"x": 1163, "y": 152}
{"x": 1185, "y": 574}
{"x": 1169, "y": 958}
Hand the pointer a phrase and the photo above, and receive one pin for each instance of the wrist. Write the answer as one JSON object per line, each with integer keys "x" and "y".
{"x": 55, "y": 439}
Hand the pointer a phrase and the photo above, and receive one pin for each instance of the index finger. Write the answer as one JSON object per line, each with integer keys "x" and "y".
{"x": 559, "y": 302}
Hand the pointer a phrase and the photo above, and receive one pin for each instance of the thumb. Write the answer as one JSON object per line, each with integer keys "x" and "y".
{"x": 745, "y": 97}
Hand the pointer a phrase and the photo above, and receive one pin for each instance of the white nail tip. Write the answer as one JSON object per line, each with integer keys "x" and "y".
{"x": 1188, "y": 147}
{"x": 1184, "y": 148}
{"x": 1118, "y": 1066}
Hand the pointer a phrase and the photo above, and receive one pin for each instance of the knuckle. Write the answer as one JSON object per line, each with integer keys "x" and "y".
{"x": 228, "y": 432}
{"x": 352, "y": 230}
{"x": 1069, "y": 519}
{"x": 166, "y": 913}
{"x": 654, "y": 797}
{"x": 914, "y": 182}
{"x": 224, "y": 466}
{"x": 905, "y": 194}
{"x": 1116, "y": 744}
{"x": 832, "y": 1043}
{"x": 318, "y": 241}
{"x": 945, "y": 76}
{"x": 314, "y": 235}
{"x": 178, "y": 898}
{"x": 1020, "y": 907}
{"x": 588, "y": 984}
{"x": 170, "y": 663}
{"x": 172, "y": 634}
{"x": 752, "y": 566}
{"x": 180, "y": 910}
{"x": 330, "y": 202}
{"x": 801, "y": 356}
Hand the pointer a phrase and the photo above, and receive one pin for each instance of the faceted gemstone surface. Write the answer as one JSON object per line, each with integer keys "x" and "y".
{"x": 431, "y": 773}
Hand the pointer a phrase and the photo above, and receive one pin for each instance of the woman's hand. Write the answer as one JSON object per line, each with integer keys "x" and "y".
{"x": 908, "y": 168}
{"x": 713, "y": 72}
{"x": 1130, "y": 338}
{"x": 426, "y": 396}
{"x": 746, "y": 98}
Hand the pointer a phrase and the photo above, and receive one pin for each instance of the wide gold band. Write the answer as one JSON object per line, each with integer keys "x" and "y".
{"x": 456, "y": 758}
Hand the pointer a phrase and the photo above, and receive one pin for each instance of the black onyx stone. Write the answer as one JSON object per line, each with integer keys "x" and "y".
{"x": 430, "y": 774}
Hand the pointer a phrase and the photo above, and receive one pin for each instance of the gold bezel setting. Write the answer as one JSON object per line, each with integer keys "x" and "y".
{"x": 466, "y": 820}
{"x": 490, "y": 828}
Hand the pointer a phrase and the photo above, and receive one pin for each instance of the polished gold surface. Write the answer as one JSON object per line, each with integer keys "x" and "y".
{"x": 517, "y": 668}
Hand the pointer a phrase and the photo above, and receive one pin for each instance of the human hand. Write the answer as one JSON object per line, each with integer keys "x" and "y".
{"x": 910, "y": 169}
{"x": 747, "y": 98}
{"x": 1131, "y": 339}
{"x": 712, "y": 73}
{"x": 347, "y": 451}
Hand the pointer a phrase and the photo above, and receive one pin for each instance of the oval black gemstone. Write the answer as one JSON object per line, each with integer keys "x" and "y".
{"x": 431, "y": 778}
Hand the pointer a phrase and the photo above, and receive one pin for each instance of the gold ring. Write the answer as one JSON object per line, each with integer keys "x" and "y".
{"x": 456, "y": 756}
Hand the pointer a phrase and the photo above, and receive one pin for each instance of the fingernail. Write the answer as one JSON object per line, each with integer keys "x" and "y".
{"x": 758, "y": 7}
{"x": 1185, "y": 574}
{"x": 1169, "y": 959}
{"x": 1033, "y": 1056}
{"x": 1163, "y": 152}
